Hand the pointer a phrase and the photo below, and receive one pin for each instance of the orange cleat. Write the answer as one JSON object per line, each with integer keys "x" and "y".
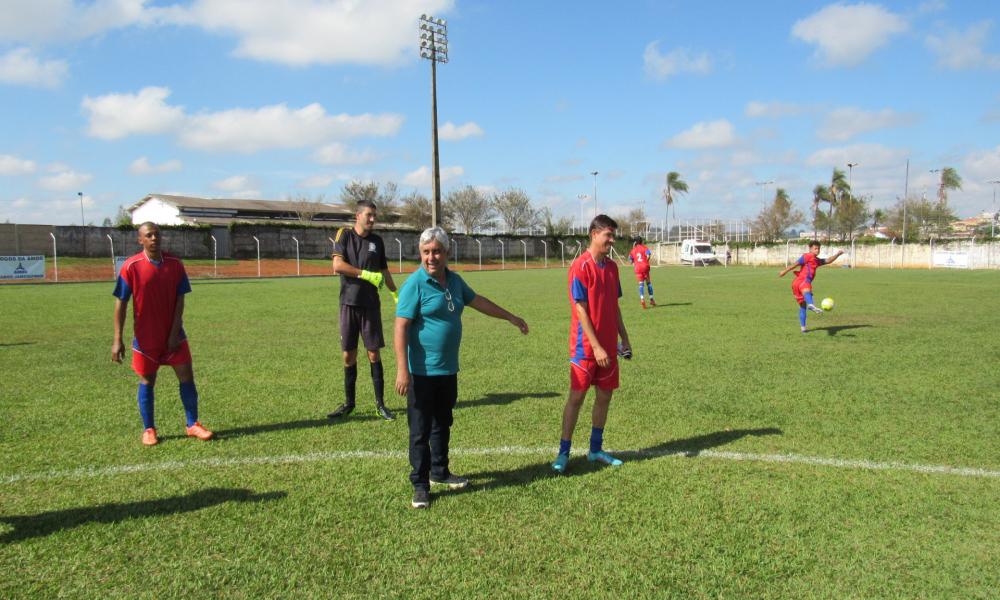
{"x": 199, "y": 432}
{"x": 653, "y": 303}
{"x": 644, "y": 304}
{"x": 149, "y": 437}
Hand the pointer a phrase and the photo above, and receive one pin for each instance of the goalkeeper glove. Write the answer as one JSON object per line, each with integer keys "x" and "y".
{"x": 373, "y": 277}
{"x": 395, "y": 297}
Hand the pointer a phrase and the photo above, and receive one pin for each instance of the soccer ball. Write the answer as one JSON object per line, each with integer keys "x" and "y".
{"x": 827, "y": 304}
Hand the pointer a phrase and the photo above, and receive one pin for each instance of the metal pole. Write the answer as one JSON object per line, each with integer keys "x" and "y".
{"x": 906, "y": 200}
{"x": 503, "y": 264}
{"x": 480, "y": 254}
{"x": 436, "y": 207}
{"x": 525, "y": 244}
{"x": 400, "y": 254}
{"x": 258, "y": 255}
{"x": 113, "y": 269}
{"x": 454, "y": 241}
{"x": 334, "y": 244}
{"x": 83, "y": 222}
{"x": 852, "y": 254}
{"x": 215, "y": 256}
{"x": 55, "y": 256}
{"x": 298, "y": 270}
{"x": 786, "y": 252}
{"x": 563, "y": 246}
{"x": 595, "y": 193}
{"x": 993, "y": 224}
{"x": 546, "y": 253}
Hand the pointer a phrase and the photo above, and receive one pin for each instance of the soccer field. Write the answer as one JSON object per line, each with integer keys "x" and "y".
{"x": 861, "y": 459}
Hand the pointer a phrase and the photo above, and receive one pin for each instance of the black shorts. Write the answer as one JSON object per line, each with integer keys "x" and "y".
{"x": 367, "y": 322}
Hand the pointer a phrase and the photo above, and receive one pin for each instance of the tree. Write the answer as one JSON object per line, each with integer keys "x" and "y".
{"x": 950, "y": 180}
{"x": 878, "y": 217}
{"x": 385, "y": 199}
{"x": 852, "y": 216}
{"x": 674, "y": 184}
{"x": 514, "y": 207}
{"x": 924, "y": 218}
{"x": 306, "y": 206}
{"x": 821, "y": 193}
{"x": 470, "y": 207}
{"x": 774, "y": 219}
{"x": 416, "y": 211}
{"x": 123, "y": 218}
{"x": 107, "y": 222}
{"x": 553, "y": 226}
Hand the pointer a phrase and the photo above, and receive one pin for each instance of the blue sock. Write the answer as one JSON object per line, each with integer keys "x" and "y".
{"x": 189, "y": 397}
{"x": 640, "y": 292}
{"x": 564, "y": 447}
{"x": 802, "y": 316}
{"x": 809, "y": 298}
{"x": 146, "y": 405}
{"x": 596, "y": 439}
{"x": 649, "y": 286}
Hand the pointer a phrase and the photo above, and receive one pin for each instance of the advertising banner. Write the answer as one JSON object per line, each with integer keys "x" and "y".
{"x": 119, "y": 261}
{"x": 22, "y": 267}
{"x": 952, "y": 259}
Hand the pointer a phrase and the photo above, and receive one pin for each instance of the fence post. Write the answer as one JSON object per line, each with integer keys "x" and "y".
{"x": 930, "y": 260}
{"x": 754, "y": 255}
{"x": 258, "y": 255}
{"x": 298, "y": 270}
{"x": 114, "y": 272}
{"x": 55, "y": 256}
{"x": 546, "y": 253}
{"x": 480, "y": 254}
{"x": 454, "y": 241}
{"x": 503, "y": 263}
{"x": 525, "y": 244}
{"x": 786, "y": 252}
{"x": 852, "y": 256}
{"x": 215, "y": 256}
{"x": 892, "y": 252}
{"x": 400, "y": 254}
{"x": 563, "y": 246}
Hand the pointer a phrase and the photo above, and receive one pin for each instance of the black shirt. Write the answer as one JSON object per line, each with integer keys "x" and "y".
{"x": 365, "y": 253}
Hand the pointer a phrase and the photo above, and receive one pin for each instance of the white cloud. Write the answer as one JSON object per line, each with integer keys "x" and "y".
{"x": 659, "y": 67}
{"x": 714, "y": 134}
{"x": 991, "y": 116}
{"x": 931, "y": 6}
{"x": 21, "y": 67}
{"x": 116, "y": 116}
{"x": 848, "y": 34}
{"x": 315, "y": 181}
{"x": 773, "y": 110}
{"x": 57, "y": 167}
{"x": 581, "y": 142}
{"x": 141, "y": 166}
{"x": 454, "y": 134}
{"x": 421, "y": 178}
{"x": 562, "y": 178}
{"x": 962, "y": 50}
{"x": 982, "y": 164}
{"x": 571, "y": 162}
{"x": 236, "y": 183}
{"x": 337, "y": 153}
{"x": 615, "y": 174}
{"x": 293, "y": 32}
{"x": 843, "y": 124}
{"x": 868, "y": 156}
{"x": 12, "y": 165}
{"x": 65, "y": 182}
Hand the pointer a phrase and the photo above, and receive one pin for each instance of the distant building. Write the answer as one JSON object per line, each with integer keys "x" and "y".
{"x": 180, "y": 210}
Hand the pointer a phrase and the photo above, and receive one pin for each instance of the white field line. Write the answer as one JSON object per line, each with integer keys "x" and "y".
{"x": 85, "y": 472}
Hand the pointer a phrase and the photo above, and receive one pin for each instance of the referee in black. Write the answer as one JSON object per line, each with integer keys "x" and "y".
{"x": 359, "y": 259}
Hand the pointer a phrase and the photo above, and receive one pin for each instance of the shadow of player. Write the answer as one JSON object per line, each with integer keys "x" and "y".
{"x": 47, "y": 523}
{"x": 289, "y": 426}
{"x": 504, "y": 399}
{"x": 832, "y": 331}
{"x": 579, "y": 465}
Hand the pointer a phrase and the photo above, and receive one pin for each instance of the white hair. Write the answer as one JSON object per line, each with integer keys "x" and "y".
{"x": 435, "y": 233}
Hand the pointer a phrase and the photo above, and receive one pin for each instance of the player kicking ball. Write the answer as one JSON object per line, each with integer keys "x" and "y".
{"x": 595, "y": 326}
{"x": 158, "y": 282}
{"x": 802, "y": 286}
{"x": 639, "y": 257}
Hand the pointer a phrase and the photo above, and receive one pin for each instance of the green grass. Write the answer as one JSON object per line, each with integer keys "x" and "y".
{"x": 903, "y": 371}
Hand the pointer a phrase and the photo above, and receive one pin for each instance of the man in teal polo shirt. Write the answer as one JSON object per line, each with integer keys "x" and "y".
{"x": 427, "y": 337}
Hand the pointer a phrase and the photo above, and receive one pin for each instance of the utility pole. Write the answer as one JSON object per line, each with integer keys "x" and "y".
{"x": 594, "y": 173}
{"x": 993, "y": 224}
{"x": 434, "y": 47}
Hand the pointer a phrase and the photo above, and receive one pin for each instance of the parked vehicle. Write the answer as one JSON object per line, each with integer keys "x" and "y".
{"x": 697, "y": 252}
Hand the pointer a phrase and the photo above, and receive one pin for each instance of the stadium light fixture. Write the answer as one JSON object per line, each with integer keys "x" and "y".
{"x": 434, "y": 47}
{"x": 594, "y": 173}
{"x": 83, "y": 222}
{"x": 762, "y": 184}
{"x": 993, "y": 225}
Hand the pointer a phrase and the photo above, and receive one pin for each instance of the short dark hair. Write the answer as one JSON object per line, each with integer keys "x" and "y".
{"x": 603, "y": 222}
{"x": 365, "y": 204}
{"x": 637, "y": 240}
{"x": 814, "y": 243}
{"x": 147, "y": 225}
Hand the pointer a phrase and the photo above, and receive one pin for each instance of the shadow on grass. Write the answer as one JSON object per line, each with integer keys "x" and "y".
{"x": 47, "y": 523}
{"x": 289, "y": 426}
{"x": 579, "y": 465}
{"x": 667, "y": 304}
{"x": 504, "y": 399}
{"x": 17, "y": 344}
{"x": 832, "y": 331}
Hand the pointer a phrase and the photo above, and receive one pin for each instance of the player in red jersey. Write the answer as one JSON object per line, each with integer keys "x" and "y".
{"x": 595, "y": 326}
{"x": 159, "y": 283}
{"x": 802, "y": 286}
{"x": 639, "y": 257}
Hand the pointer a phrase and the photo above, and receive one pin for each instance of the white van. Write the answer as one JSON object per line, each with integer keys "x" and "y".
{"x": 697, "y": 252}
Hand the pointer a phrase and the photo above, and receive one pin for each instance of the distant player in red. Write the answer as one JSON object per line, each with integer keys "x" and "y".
{"x": 158, "y": 282}
{"x": 639, "y": 257}
{"x": 595, "y": 326}
{"x": 802, "y": 286}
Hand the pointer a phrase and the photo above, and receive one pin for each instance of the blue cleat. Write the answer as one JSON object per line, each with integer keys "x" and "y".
{"x": 603, "y": 457}
{"x": 560, "y": 465}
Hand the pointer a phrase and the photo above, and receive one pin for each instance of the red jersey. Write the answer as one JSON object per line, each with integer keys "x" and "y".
{"x": 810, "y": 262}
{"x": 155, "y": 287}
{"x": 598, "y": 286}
{"x": 640, "y": 258}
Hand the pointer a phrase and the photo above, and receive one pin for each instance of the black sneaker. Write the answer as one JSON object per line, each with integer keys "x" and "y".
{"x": 452, "y": 481}
{"x": 421, "y": 499}
{"x": 384, "y": 413}
{"x": 343, "y": 411}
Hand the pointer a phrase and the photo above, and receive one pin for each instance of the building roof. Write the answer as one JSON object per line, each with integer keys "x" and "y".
{"x": 227, "y": 210}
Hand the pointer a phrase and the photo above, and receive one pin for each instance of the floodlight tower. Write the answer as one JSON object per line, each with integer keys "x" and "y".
{"x": 83, "y": 222}
{"x": 762, "y": 184}
{"x": 850, "y": 177}
{"x": 434, "y": 47}
{"x": 594, "y": 173}
{"x": 993, "y": 224}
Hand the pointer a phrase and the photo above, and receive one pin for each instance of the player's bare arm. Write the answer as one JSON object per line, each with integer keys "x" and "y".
{"x": 490, "y": 309}
{"x": 400, "y": 340}
{"x": 582, "y": 314}
{"x": 387, "y": 277}
{"x": 790, "y": 267}
{"x": 342, "y": 267}
{"x": 622, "y": 333}
{"x": 833, "y": 258}
{"x": 174, "y": 339}
{"x": 118, "y": 347}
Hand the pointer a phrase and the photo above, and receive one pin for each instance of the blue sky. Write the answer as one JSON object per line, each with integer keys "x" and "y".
{"x": 260, "y": 98}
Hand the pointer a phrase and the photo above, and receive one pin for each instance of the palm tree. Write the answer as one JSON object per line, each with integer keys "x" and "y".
{"x": 877, "y": 217}
{"x": 950, "y": 180}
{"x": 838, "y": 186}
{"x": 821, "y": 193}
{"x": 674, "y": 184}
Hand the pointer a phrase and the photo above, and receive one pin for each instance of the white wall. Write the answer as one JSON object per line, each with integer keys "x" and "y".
{"x": 157, "y": 212}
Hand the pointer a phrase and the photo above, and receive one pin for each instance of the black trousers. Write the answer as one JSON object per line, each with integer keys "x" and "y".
{"x": 429, "y": 406}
